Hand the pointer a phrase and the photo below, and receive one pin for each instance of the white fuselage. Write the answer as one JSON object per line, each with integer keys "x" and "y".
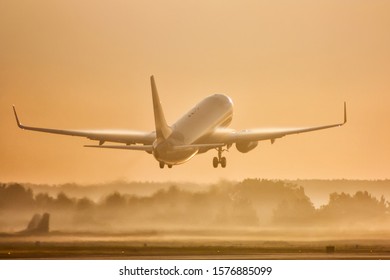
{"x": 212, "y": 112}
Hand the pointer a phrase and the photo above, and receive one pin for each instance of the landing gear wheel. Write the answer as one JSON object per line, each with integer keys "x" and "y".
{"x": 161, "y": 164}
{"x": 215, "y": 162}
{"x": 223, "y": 162}
{"x": 220, "y": 159}
{"x": 169, "y": 165}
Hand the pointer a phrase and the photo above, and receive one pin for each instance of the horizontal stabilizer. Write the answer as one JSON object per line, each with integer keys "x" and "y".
{"x": 199, "y": 146}
{"x": 146, "y": 148}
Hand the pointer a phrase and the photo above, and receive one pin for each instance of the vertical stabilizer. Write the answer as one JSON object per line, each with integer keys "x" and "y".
{"x": 162, "y": 129}
{"x": 34, "y": 222}
{"x": 43, "y": 226}
{"x": 39, "y": 224}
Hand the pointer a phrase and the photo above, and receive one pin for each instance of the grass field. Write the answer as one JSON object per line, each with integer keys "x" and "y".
{"x": 151, "y": 245}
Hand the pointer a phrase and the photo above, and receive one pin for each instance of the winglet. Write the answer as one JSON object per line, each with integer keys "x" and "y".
{"x": 16, "y": 117}
{"x": 345, "y": 112}
{"x": 162, "y": 128}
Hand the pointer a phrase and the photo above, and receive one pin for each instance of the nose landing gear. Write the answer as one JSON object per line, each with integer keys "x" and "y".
{"x": 220, "y": 159}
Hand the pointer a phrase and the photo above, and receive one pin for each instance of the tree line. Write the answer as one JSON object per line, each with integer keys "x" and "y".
{"x": 250, "y": 203}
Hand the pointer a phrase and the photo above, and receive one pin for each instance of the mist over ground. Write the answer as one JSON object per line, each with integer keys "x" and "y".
{"x": 249, "y": 205}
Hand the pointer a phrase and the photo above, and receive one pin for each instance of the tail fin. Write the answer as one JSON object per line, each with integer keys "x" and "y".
{"x": 38, "y": 224}
{"x": 162, "y": 129}
{"x": 43, "y": 225}
{"x": 34, "y": 222}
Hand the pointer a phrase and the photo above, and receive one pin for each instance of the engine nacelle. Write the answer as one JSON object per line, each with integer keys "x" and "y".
{"x": 245, "y": 147}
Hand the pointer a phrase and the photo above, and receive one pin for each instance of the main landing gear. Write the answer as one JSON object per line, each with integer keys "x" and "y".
{"x": 220, "y": 159}
{"x": 162, "y": 164}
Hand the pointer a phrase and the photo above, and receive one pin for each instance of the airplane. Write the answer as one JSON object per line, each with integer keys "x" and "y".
{"x": 39, "y": 224}
{"x": 203, "y": 128}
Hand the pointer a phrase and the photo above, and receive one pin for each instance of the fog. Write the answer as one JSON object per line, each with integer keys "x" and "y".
{"x": 246, "y": 206}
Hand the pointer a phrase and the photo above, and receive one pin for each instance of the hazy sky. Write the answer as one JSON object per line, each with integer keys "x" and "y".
{"x": 86, "y": 64}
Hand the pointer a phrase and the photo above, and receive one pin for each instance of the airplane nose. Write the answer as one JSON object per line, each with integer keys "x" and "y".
{"x": 223, "y": 99}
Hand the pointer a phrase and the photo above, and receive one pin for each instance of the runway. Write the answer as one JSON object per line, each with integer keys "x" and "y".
{"x": 132, "y": 247}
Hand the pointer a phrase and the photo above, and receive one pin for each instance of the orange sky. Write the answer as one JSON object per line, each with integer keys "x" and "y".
{"x": 86, "y": 64}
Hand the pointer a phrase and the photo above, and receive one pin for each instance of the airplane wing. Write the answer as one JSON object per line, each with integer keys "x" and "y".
{"x": 228, "y": 136}
{"x": 119, "y": 136}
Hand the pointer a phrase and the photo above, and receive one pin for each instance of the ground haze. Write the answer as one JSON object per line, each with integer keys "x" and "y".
{"x": 255, "y": 217}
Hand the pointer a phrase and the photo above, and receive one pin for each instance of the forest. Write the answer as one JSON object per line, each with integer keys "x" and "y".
{"x": 251, "y": 203}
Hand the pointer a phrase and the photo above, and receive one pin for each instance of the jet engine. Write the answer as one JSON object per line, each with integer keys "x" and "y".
{"x": 245, "y": 147}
